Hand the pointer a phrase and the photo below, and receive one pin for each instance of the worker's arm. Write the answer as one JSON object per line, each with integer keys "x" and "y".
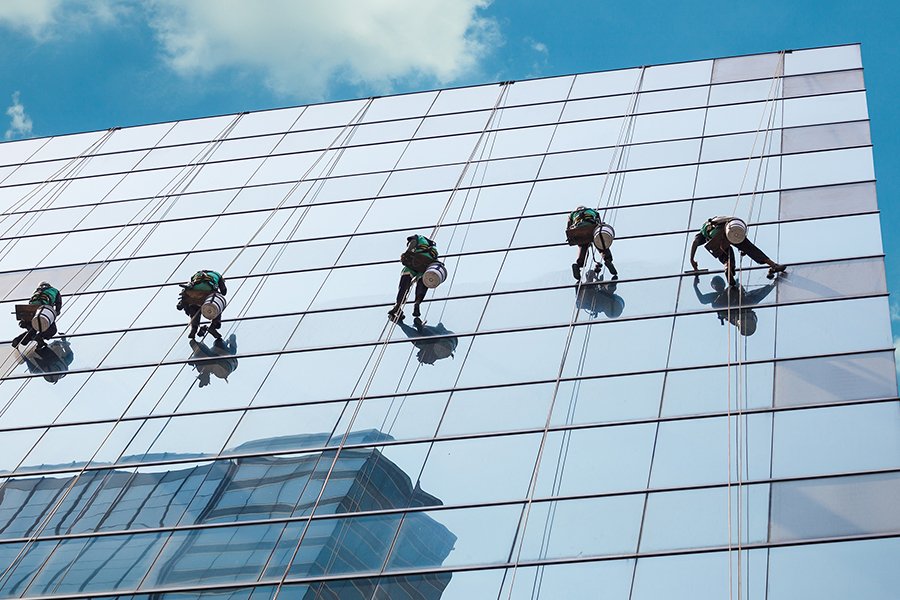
{"x": 58, "y": 303}
{"x": 222, "y": 289}
{"x": 701, "y": 297}
{"x": 698, "y": 240}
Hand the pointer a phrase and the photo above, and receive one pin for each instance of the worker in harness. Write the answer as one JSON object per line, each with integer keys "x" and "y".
{"x": 579, "y": 231}
{"x": 199, "y": 290}
{"x": 223, "y": 351}
{"x": 431, "y": 351}
{"x": 733, "y": 303}
{"x": 719, "y": 234}
{"x": 420, "y": 253}
{"x": 44, "y": 295}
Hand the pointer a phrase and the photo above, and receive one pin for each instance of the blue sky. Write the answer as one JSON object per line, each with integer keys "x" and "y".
{"x": 76, "y": 65}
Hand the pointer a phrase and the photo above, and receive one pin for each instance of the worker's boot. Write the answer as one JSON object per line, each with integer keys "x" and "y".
{"x": 576, "y": 271}
{"x": 19, "y": 339}
{"x": 396, "y": 314}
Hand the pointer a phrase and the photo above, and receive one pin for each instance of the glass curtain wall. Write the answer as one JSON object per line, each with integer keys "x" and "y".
{"x": 656, "y": 434}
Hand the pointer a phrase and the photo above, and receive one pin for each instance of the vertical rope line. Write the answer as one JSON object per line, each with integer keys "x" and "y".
{"x": 665, "y": 380}
{"x": 383, "y": 347}
{"x": 522, "y": 526}
{"x": 32, "y": 539}
{"x": 740, "y": 376}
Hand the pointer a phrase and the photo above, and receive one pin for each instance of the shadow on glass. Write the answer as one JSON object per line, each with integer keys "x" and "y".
{"x": 50, "y": 360}
{"x": 597, "y": 297}
{"x": 732, "y": 302}
{"x": 218, "y": 360}
{"x": 430, "y": 351}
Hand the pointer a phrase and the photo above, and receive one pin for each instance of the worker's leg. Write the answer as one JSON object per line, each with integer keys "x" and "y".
{"x": 758, "y": 256}
{"x": 421, "y": 290}
{"x": 214, "y": 326}
{"x": 579, "y": 263}
{"x": 726, "y": 257}
{"x": 194, "y": 312}
{"x": 402, "y": 290}
{"x": 750, "y": 249}
{"x": 607, "y": 257}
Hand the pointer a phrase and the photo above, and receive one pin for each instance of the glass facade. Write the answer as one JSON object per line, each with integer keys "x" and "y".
{"x": 657, "y": 434}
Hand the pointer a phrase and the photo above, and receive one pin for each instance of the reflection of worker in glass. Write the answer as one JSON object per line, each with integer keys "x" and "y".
{"x": 430, "y": 351}
{"x": 52, "y": 361}
{"x": 600, "y": 297}
{"x": 221, "y": 368}
{"x": 739, "y": 315}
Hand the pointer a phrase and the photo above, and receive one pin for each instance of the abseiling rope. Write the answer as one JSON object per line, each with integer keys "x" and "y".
{"x": 56, "y": 507}
{"x": 522, "y": 526}
{"x": 741, "y": 375}
{"x": 49, "y": 516}
{"x": 381, "y": 352}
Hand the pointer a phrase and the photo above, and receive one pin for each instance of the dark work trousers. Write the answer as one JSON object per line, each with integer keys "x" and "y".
{"x": 405, "y": 283}
{"x": 193, "y": 311}
{"x": 605, "y": 256}
{"x": 726, "y": 255}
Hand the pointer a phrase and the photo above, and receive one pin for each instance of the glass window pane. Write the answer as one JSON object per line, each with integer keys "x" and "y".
{"x": 828, "y": 201}
{"x": 833, "y": 280}
{"x": 823, "y": 83}
{"x": 866, "y": 569}
{"x": 837, "y": 439}
{"x": 738, "y": 68}
{"x": 831, "y": 327}
{"x": 825, "y": 137}
{"x": 835, "y": 379}
{"x": 822, "y": 59}
{"x": 835, "y": 507}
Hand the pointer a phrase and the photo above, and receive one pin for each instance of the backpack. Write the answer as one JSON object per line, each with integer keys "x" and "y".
{"x": 205, "y": 280}
{"x": 46, "y": 296}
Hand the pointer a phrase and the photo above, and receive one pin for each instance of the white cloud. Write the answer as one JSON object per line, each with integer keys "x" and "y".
{"x": 44, "y": 19}
{"x": 299, "y": 48}
{"x": 540, "y": 47}
{"x": 19, "y": 122}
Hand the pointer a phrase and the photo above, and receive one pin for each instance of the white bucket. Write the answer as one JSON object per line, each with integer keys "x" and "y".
{"x": 43, "y": 319}
{"x": 736, "y": 231}
{"x": 604, "y": 235}
{"x": 213, "y": 306}
{"x": 434, "y": 275}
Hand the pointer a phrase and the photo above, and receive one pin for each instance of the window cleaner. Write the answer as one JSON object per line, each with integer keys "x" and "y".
{"x": 38, "y": 317}
{"x": 585, "y": 228}
{"x": 719, "y": 234}
{"x": 204, "y": 295}
{"x": 420, "y": 264}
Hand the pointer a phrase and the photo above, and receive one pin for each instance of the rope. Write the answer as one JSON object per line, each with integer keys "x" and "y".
{"x": 739, "y": 357}
{"x": 32, "y": 539}
{"x": 522, "y": 526}
{"x": 383, "y": 344}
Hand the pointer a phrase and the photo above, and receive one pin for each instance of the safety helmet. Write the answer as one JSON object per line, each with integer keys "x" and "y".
{"x": 44, "y": 285}
{"x": 581, "y": 207}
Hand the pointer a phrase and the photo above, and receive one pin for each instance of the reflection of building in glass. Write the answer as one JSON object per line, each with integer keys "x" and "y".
{"x": 255, "y": 488}
{"x": 579, "y": 439}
